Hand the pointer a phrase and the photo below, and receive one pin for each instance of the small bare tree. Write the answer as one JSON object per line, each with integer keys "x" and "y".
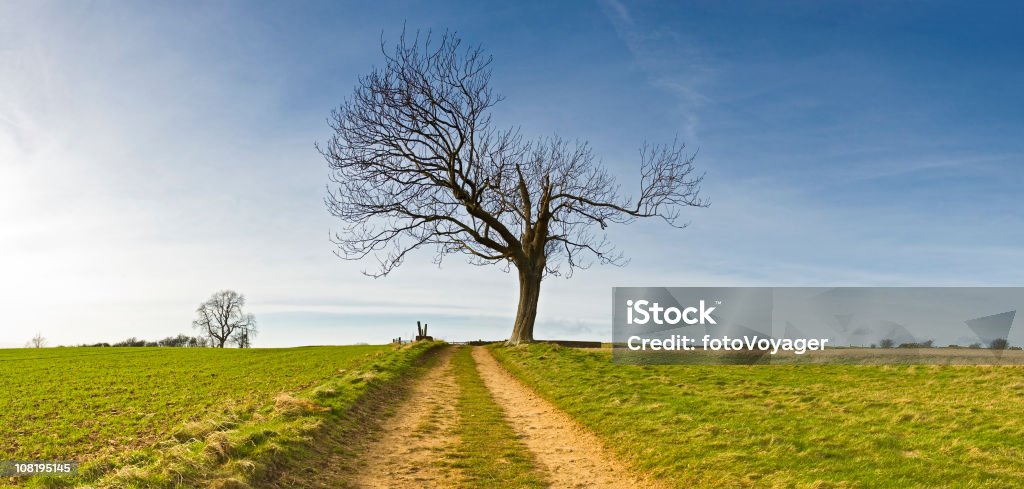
{"x": 198, "y": 342}
{"x": 37, "y": 341}
{"x": 221, "y": 318}
{"x": 417, "y": 163}
{"x": 244, "y": 335}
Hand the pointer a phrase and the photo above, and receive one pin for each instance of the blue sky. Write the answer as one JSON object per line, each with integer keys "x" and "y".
{"x": 151, "y": 154}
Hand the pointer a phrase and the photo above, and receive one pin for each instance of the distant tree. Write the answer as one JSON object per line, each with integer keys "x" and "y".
{"x": 974, "y": 346}
{"x": 243, "y": 337}
{"x": 180, "y": 340}
{"x": 221, "y": 317}
{"x": 999, "y": 344}
{"x": 37, "y": 341}
{"x": 175, "y": 341}
{"x": 95, "y": 345}
{"x": 885, "y": 343}
{"x": 198, "y": 342}
{"x": 416, "y": 162}
{"x": 131, "y": 342}
{"x": 922, "y": 344}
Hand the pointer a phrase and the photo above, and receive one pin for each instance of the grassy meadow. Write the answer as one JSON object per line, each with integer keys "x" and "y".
{"x": 82, "y": 403}
{"x": 171, "y": 417}
{"x": 792, "y": 426}
{"x": 156, "y": 417}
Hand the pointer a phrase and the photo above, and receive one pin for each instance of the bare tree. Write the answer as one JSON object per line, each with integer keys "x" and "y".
{"x": 416, "y": 162}
{"x": 999, "y": 344}
{"x": 243, "y": 337}
{"x": 221, "y": 317}
{"x": 37, "y": 341}
{"x": 198, "y": 342}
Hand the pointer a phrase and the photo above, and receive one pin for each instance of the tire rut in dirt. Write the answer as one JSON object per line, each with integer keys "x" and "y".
{"x": 410, "y": 447}
{"x": 573, "y": 456}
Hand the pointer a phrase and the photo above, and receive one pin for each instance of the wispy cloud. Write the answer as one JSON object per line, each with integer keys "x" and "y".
{"x": 671, "y": 61}
{"x": 874, "y": 169}
{"x": 618, "y": 12}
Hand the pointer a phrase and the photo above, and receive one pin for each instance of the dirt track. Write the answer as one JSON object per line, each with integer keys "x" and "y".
{"x": 411, "y": 447}
{"x": 573, "y": 456}
{"x": 416, "y": 436}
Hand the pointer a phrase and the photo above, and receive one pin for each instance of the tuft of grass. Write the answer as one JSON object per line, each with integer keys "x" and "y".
{"x": 289, "y": 406}
{"x": 218, "y": 446}
{"x": 791, "y": 426}
{"x": 489, "y": 453}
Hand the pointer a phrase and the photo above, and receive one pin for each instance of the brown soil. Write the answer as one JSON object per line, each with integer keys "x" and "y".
{"x": 403, "y": 437}
{"x": 409, "y": 449}
{"x": 573, "y": 456}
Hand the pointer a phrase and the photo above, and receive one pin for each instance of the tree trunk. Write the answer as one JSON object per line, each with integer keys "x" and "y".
{"x": 526, "y": 314}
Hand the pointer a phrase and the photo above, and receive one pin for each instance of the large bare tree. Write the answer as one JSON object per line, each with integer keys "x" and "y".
{"x": 416, "y": 162}
{"x": 221, "y": 319}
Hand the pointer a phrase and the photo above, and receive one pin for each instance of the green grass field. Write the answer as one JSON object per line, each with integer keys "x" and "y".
{"x": 169, "y": 417}
{"x": 83, "y": 403}
{"x": 166, "y": 417}
{"x": 792, "y": 426}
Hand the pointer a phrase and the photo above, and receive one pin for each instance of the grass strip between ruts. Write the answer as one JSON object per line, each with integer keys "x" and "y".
{"x": 490, "y": 453}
